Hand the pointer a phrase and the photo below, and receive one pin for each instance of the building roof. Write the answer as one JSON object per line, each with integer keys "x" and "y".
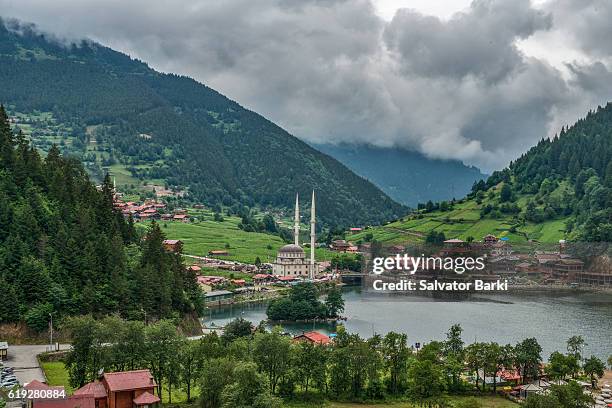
{"x": 146, "y": 398}
{"x": 218, "y": 293}
{"x": 37, "y": 385}
{"x": 3, "y": 345}
{"x": 291, "y": 248}
{"x": 95, "y": 388}
{"x": 314, "y": 337}
{"x": 171, "y": 241}
{"x": 531, "y": 387}
{"x": 129, "y": 380}
{"x": 453, "y": 241}
{"x": 75, "y": 401}
{"x": 571, "y": 262}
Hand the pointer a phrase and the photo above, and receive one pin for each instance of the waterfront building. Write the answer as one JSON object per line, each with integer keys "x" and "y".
{"x": 291, "y": 258}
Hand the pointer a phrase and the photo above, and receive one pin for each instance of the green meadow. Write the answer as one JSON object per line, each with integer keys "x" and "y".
{"x": 205, "y": 234}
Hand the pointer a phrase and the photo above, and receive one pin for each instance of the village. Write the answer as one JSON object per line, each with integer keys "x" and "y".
{"x": 224, "y": 280}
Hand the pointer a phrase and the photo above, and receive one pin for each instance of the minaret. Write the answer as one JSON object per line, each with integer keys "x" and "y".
{"x": 312, "y": 238}
{"x": 296, "y": 222}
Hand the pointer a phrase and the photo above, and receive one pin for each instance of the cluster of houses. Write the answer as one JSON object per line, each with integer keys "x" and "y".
{"x": 220, "y": 290}
{"x": 549, "y": 267}
{"x": 341, "y": 245}
{"x": 126, "y": 389}
{"x": 509, "y": 381}
{"x": 149, "y": 210}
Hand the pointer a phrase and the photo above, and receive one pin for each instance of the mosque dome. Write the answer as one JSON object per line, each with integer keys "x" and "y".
{"x": 291, "y": 249}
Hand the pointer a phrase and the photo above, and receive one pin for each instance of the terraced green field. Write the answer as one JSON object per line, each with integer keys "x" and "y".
{"x": 464, "y": 221}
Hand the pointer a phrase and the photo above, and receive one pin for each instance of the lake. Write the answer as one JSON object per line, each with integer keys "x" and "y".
{"x": 551, "y": 317}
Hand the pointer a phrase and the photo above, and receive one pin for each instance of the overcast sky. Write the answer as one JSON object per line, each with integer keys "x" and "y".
{"x": 477, "y": 81}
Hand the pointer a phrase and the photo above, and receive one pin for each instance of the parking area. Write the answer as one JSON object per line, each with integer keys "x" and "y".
{"x": 24, "y": 362}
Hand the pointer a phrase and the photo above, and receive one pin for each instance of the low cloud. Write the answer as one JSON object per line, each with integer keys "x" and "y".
{"x": 333, "y": 71}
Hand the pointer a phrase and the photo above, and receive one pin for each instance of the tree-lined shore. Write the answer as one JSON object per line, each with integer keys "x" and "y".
{"x": 264, "y": 368}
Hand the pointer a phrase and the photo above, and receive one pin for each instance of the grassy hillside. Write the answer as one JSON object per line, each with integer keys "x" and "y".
{"x": 464, "y": 220}
{"x": 205, "y": 234}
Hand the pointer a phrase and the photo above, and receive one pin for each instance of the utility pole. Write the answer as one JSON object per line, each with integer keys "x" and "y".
{"x": 50, "y": 332}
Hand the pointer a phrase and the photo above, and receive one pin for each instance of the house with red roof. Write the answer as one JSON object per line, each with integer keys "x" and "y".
{"x": 181, "y": 218}
{"x": 36, "y": 385}
{"x": 74, "y": 401}
{"x": 126, "y": 389}
{"x": 313, "y": 337}
{"x": 95, "y": 389}
{"x": 129, "y": 388}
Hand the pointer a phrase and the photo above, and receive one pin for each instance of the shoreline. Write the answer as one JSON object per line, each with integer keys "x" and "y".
{"x": 558, "y": 288}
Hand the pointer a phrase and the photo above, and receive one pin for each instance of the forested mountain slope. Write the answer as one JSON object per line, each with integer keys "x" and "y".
{"x": 65, "y": 250}
{"x": 407, "y": 177}
{"x": 117, "y": 112}
{"x": 560, "y": 189}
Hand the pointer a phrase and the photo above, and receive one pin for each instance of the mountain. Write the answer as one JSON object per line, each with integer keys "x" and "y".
{"x": 146, "y": 127}
{"x": 407, "y": 177}
{"x": 64, "y": 248}
{"x": 560, "y": 189}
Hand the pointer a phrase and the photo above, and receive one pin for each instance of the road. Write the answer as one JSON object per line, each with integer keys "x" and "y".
{"x": 24, "y": 362}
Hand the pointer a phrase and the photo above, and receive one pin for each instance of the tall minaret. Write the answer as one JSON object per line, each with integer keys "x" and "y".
{"x": 296, "y": 222}
{"x": 312, "y": 238}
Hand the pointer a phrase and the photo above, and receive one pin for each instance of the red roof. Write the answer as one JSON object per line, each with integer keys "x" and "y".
{"x": 287, "y": 278}
{"x": 314, "y": 337}
{"x": 262, "y": 276}
{"x": 76, "y": 401}
{"x": 37, "y": 385}
{"x": 146, "y": 398}
{"x": 129, "y": 380}
{"x": 95, "y": 388}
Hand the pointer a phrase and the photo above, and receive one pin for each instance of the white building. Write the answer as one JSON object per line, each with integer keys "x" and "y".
{"x": 291, "y": 258}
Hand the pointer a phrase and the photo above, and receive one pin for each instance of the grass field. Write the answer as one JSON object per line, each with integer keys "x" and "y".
{"x": 205, "y": 234}
{"x": 57, "y": 374}
{"x": 486, "y": 401}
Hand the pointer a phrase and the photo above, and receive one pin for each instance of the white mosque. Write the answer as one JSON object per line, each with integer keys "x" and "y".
{"x": 291, "y": 259}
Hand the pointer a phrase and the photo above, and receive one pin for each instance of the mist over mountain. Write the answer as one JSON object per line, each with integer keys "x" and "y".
{"x": 114, "y": 112}
{"x": 407, "y": 177}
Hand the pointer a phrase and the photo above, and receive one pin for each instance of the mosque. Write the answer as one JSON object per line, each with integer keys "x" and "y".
{"x": 291, "y": 258}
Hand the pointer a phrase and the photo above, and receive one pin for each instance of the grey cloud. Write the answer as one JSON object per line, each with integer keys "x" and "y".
{"x": 588, "y": 23}
{"x": 479, "y": 42}
{"x": 332, "y": 71}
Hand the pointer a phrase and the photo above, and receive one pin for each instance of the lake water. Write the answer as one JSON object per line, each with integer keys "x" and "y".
{"x": 551, "y": 317}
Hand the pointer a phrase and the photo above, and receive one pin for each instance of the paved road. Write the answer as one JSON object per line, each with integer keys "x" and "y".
{"x": 24, "y": 362}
